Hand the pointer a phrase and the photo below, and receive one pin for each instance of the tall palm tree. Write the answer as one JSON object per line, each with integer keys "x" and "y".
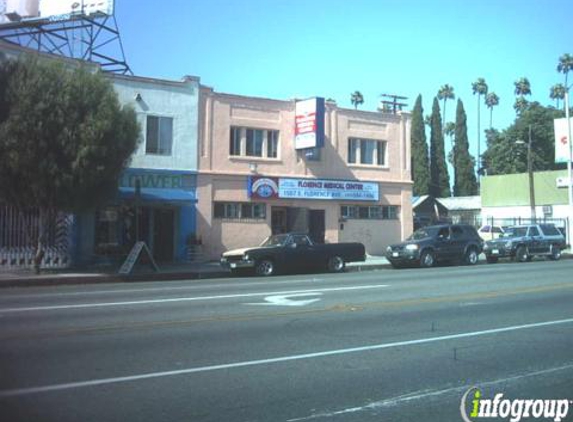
{"x": 565, "y": 66}
{"x": 557, "y": 92}
{"x": 356, "y": 99}
{"x": 520, "y": 104}
{"x": 480, "y": 88}
{"x": 491, "y": 100}
{"x": 522, "y": 88}
{"x": 449, "y": 131}
{"x": 445, "y": 93}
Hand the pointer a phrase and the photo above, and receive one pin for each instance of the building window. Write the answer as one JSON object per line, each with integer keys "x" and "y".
{"x": 376, "y": 212}
{"x": 235, "y": 145}
{"x": 272, "y": 143}
{"x": 366, "y": 151}
{"x": 250, "y": 142}
{"x": 159, "y": 138}
{"x": 240, "y": 210}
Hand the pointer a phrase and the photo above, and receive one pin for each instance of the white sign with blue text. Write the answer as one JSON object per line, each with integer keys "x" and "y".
{"x": 328, "y": 189}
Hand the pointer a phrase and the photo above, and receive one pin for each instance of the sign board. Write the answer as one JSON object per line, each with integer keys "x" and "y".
{"x": 134, "y": 254}
{"x": 286, "y": 188}
{"x": 309, "y": 123}
{"x": 561, "y": 144}
{"x": 25, "y": 12}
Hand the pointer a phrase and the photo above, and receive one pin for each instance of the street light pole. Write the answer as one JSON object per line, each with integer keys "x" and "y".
{"x": 569, "y": 176}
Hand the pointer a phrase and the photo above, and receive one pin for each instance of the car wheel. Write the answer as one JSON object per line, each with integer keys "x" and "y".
{"x": 491, "y": 259}
{"x": 472, "y": 256}
{"x": 335, "y": 264}
{"x": 265, "y": 267}
{"x": 427, "y": 259}
{"x": 555, "y": 253}
{"x": 522, "y": 255}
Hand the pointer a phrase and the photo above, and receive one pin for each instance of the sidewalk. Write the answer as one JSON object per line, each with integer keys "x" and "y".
{"x": 190, "y": 271}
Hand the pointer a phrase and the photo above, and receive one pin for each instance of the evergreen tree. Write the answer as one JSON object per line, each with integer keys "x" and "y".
{"x": 64, "y": 139}
{"x": 465, "y": 183}
{"x": 420, "y": 165}
{"x": 440, "y": 180}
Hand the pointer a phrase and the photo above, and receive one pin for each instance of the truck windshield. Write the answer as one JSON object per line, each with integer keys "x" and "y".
{"x": 276, "y": 240}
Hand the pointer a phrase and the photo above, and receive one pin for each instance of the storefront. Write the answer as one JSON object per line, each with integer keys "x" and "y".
{"x": 153, "y": 206}
{"x": 245, "y": 210}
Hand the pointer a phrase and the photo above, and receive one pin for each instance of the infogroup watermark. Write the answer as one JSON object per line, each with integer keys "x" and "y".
{"x": 514, "y": 410}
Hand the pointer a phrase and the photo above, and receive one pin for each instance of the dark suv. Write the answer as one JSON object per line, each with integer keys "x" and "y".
{"x": 524, "y": 242}
{"x": 446, "y": 242}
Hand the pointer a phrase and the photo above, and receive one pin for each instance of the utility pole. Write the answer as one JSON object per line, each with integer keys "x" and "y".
{"x": 531, "y": 180}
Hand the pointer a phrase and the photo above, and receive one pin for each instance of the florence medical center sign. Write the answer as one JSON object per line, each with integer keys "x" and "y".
{"x": 260, "y": 187}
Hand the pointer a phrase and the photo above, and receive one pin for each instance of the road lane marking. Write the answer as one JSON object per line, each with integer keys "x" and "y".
{"x": 425, "y": 394}
{"x": 186, "y": 299}
{"x": 306, "y": 311}
{"x": 158, "y": 289}
{"x": 305, "y": 356}
{"x": 285, "y": 300}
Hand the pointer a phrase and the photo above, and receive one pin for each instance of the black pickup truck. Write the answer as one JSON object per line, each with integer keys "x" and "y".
{"x": 524, "y": 242}
{"x": 293, "y": 252}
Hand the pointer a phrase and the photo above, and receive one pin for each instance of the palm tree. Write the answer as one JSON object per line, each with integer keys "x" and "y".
{"x": 491, "y": 100}
{"x": 557, "y": 92}
{"x": 520, "y": 104}
{"x": 522, "y": 88}
{"x": 480, "y": 88}
{"x": 356, "y": 99}
{"x": 565, "y": 66}
{"x": 450, "y": 130}
{"x": 446, "y": 92}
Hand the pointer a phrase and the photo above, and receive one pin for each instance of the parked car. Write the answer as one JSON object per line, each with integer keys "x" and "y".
{"x": 524, "y": 242}
{"x": 427, "y": 246}
{"x": 490, "y": 232}
{"x": 293, "y": 251}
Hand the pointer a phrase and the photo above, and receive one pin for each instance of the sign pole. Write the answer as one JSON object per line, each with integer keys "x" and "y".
{"x": 569, "y": 176}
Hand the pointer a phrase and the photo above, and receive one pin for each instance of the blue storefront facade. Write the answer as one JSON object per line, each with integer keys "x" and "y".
{"x": 156, "y": 196}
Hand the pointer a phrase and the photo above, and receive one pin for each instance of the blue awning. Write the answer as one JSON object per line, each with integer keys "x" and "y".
{"x": 159, "y": 195}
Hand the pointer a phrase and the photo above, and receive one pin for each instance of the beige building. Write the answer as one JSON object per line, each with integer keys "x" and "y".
{"x": 252, "y": 181}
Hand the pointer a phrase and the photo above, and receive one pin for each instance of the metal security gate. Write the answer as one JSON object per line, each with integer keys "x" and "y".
{"x": 19, "y": 231}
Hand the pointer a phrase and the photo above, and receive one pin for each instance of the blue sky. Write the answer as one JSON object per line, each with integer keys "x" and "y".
{"x": 302, "y": 48}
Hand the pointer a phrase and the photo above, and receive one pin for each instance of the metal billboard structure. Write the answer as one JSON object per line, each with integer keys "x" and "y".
{"x": 85, "y": 30}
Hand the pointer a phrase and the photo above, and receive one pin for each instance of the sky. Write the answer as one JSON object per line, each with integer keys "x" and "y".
{"x": 286, "y": 49}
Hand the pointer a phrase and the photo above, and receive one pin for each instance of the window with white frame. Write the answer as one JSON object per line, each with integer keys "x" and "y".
{"x": 240, "y": 210}
{"x": 249, "y": 142}
{"x": 366, "y": 151}
{"x": 159, "y": 139}
{"x": 374, "y": 212}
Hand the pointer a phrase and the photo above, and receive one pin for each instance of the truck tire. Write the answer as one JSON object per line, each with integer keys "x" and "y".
{"x": 522, "y": 255}
{"x": 335, "y": 264}
{"x": 427, "y": 259}
{"x": 472, "y": 256}
{"x": 265, "y": 267}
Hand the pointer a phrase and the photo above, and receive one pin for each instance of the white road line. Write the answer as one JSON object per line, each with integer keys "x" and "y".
{"x": 424, "y": 394}
{"x": 158, "y": 289}
{"x": 116, "y": 380}
{"x": 185, "y": 299}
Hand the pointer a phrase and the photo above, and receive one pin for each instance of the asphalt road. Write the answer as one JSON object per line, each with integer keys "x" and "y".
{"x": 387, "y": 345}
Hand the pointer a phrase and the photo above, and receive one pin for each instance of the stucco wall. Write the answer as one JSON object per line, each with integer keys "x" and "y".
{"x": 178, "y": 100}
